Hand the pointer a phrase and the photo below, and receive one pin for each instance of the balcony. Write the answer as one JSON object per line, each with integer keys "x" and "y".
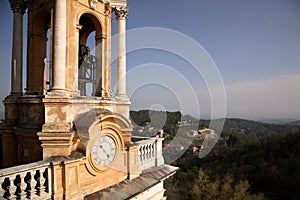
{"x": 38, "y": 180}
{"x": 149, "y": 151}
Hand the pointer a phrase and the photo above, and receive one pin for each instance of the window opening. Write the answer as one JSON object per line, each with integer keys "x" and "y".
{"x": 86, "y": 71}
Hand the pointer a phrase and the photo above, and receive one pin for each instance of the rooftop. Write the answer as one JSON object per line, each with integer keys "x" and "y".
{"x": 128, "y": 189}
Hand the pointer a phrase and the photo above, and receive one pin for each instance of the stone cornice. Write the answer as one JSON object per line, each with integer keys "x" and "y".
{"x": 118, "y": 3}
{"x": 18, "y": 6}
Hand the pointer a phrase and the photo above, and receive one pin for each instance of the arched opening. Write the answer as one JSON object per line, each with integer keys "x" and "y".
{"x": 89, "y": 56}
{"x": 38, "y": 53}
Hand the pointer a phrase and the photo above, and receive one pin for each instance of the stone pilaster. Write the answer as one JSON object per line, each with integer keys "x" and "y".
{"x": 57, "y": 135}
{"x": 18, "y": 7}
{"x": 121, "y": 14}
{"x": 76, "y": 91}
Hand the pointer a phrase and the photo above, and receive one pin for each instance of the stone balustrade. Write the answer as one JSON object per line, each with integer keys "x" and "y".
{"x": 30, "y": 181}
{"x": 150, "y": 151}
{"x": 34, "y": 180}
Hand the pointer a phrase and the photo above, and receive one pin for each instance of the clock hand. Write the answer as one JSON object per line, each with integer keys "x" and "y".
{"x": 104, "y": 151}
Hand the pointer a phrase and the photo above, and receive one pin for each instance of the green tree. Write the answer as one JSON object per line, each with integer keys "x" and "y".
{"x": 205, "y": 189}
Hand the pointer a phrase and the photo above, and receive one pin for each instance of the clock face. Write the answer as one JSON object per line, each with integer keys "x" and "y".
{"x": 104, "y": 150}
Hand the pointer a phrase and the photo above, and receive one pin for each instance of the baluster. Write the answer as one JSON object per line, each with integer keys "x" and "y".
{"x": 152, "y": 150}
{"x": 33, "y": 184}
{"x": 151, "y": 147}
{"x": 22, "y": 185}
{"x": 37, "y": 187}
{"x": 144, "y": 153}
{"x": 4, "y": 190}
{"x": 18, "y": 184}
{"x": 140, "y": 154}
{"x": 42, "y": 182}
{"x": 27, "y": 181}
{"x": 48, "y": 180}
{"x": 148, "y": 151}
{"x": 12, "y": 188}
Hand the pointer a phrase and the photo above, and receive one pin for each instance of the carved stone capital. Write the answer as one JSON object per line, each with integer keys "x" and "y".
{"x": 18, "y": 6}
{"x": 121, "y": 12}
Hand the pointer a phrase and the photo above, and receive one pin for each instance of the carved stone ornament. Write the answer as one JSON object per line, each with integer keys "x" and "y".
{"x": 18, "y": 5}
{"x": 121, "y": 12}
{"x": 93, "y": 3}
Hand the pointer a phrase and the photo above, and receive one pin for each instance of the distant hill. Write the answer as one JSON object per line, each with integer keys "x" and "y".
{"x": 171, "y": 120}
{"x": 294, "y": 123}
{"x": 254, "y": 128}
{"x": 276, "y": 121}
{"x": 258, "y": 129}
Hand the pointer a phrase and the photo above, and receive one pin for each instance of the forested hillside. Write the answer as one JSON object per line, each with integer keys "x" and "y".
{"x": 267, "y": 167}
{"x": 251, "y": 160}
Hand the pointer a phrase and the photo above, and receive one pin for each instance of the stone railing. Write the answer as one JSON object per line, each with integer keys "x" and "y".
{"x": 30, "y": 181}
{"x": 150, "y": 151}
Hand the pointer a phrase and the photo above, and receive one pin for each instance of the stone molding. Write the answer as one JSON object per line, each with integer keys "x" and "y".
{"x": 18, "y": 6}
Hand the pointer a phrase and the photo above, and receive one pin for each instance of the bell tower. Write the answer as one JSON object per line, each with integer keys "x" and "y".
{"x": 65, "y": 77}
{"x": 71, "y": 135}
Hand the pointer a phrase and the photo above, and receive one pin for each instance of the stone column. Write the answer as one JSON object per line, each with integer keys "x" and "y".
{"x": 18, "y": 7}
{"x": 121, "y": 14}
{"x": 59, "y": 49}
{"x": 76, "y": 91}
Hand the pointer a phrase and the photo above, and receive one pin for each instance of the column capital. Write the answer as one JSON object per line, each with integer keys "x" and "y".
{"x": 121, "y": 12}
{"x": 18, "y": 6}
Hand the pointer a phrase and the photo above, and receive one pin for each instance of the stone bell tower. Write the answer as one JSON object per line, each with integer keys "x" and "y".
{"x": 64, "y": 78}
{"x": 67, "y": 128}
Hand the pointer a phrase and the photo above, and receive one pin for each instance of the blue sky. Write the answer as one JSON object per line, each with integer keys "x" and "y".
{"x": 254, "y": 44}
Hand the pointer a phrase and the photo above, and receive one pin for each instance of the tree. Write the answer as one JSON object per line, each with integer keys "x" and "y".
{"x": 204, "y": 189}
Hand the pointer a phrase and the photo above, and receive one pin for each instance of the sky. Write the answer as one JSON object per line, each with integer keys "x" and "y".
{"x": 253, "y": 46}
